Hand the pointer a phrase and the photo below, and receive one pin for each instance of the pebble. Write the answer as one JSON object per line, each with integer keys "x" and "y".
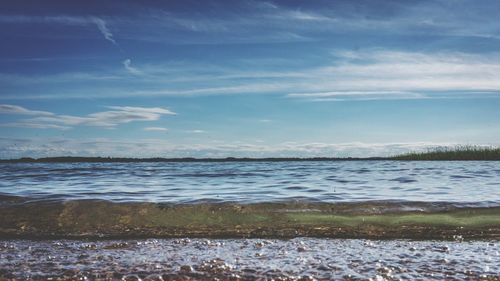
{"x": 186, "y": 268}
{"x": 301, "y": 249}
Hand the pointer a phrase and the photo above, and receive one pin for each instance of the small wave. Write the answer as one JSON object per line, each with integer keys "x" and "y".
{"x": 221, "y": 175}
{"x": 215, "y": 218}
{"x": 461, "y": 177}
{"x": 315, "y": 190}
{"x": 404, "y": 180}
{"x": 296, "y": 187}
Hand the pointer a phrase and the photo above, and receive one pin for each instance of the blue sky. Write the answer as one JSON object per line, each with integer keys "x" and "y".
{"x": 247, "y": 78}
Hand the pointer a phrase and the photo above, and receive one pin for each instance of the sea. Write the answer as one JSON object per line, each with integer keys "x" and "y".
{"x": 250, "y": 220}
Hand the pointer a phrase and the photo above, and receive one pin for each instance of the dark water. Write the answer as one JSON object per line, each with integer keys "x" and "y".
{"x": 321, "y": 213}
{"x": 244, "y": 182}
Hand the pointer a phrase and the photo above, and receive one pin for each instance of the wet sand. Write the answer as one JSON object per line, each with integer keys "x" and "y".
{"x": 249, "y": 259}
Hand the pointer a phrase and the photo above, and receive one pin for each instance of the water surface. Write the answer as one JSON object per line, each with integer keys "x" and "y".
{"x": 250, "y": 259}
{"x": 450, "y": 210}
{"x": 253, "y": 182}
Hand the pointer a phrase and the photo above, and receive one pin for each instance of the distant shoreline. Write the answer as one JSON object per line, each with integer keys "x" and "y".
{"x": 70, "y": 159}
{"x": 458, "y": 153}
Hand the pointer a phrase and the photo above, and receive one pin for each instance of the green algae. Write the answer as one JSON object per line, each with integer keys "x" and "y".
{"x": 282, "y": 220}
{"x": 449, "y": 220}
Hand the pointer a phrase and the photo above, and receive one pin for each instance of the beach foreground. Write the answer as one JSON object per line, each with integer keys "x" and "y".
{"x": 249, "y": 259}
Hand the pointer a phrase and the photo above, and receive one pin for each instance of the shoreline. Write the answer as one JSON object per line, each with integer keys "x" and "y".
{"x": 217, "y": 160}
{"x": 487, "y": 155}
{"x": 71, "y": 159}
{"x": 91, "y": 219}
{"x": 457, "y": 153}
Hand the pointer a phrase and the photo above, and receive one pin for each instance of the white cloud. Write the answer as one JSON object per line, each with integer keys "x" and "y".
{"x": 34, "y": 125}
{"x": 359, "y": 95}
{"x": 402, "y": 75}
{"x": 365, "y": 74}
{"x": 270, "y": 21}
{"x": 14, "y": 109}
{"x": 101, "y": 25}
{"x": 128, "y": 66}
{"x": 196, "y": 131}
{"x": 409, "y": 71}
{"x": 354, "y": 75}
{"x": 66, "y": 20}
{"x": 154, "y": 110}
{"x": 118, "y": 115}
{"x": 256, "y": 21}
{"x": 156, "y": 129}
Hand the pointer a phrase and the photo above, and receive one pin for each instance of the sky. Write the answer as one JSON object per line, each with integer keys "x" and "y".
{"x": 213, "y": 78}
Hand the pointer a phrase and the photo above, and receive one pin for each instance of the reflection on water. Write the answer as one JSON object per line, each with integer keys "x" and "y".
{"x": 251, "y": 182}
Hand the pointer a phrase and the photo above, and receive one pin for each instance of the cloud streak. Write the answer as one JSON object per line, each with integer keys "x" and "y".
{"x": 285, "y": 21}
{"x": 128, "y": 66}
{"x": 33, "y": 125}
{"x": 18, "y": 110}
{"x": 155, "y": 129}
{"x": 100, "y": 23}
{"x": 196, "y": 131}
{"x": 356, "y": 75}
{"x": 109, "y": 119}
{"x": 282, "y": 21}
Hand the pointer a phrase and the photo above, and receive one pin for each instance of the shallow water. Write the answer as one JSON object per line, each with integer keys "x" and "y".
{"x": 451, "y": 208}
{"x": 250, "y": 259}
{"x": 253, "y": 182}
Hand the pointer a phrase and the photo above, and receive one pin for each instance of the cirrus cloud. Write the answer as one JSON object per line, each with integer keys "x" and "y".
{"x": 14, "y": 109}
{"x": 110, "y": 119}
{"x": 155, "y": 129}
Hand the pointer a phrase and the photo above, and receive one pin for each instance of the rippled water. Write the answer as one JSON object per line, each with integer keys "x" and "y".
{"x": 251, "y": 182}
{"x": 457, "y": 201}
{"x": 250, "y": 259}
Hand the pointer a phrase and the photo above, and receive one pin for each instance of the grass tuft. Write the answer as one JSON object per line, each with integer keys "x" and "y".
{"x": 462, "y": 152}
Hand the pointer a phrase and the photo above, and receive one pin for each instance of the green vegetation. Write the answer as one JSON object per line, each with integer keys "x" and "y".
{"x": 466, "y": 152}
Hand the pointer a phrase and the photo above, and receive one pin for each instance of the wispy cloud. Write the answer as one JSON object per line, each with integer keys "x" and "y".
{"x": 109, "y": 119}
{"x": 359, "y": 96}
{"x": 101, "y": 25}
{"x": 14, "y": 109}
{"x": 155, "y": 129}
{"x": 357, "y": 75}
{"x": 33, "y": 125}
{"x": 285, "y": 21}
{"x": 151, "y": 110}
{"x": 128, "y": 66}
{"x": 60, "y": 19}
{"x": 196, "y": 131}
{"x": 400, "y": 71}
{"x": 273, "y": 21}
